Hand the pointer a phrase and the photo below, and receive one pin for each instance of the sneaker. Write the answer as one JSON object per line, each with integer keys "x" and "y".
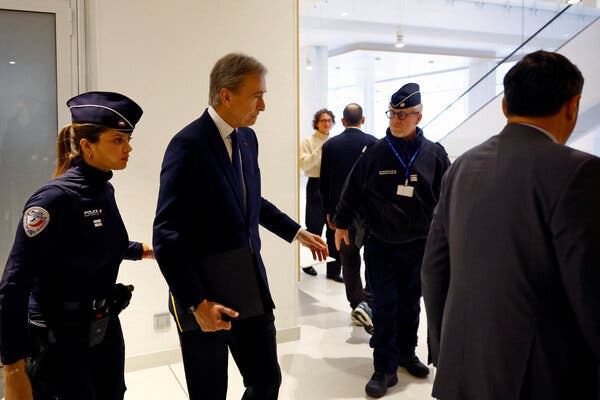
{"x": 363, "y": 316}
{"x": 380, "y": 382}
{"x": 355, "y": 320}
{"x": 414, "y": 366}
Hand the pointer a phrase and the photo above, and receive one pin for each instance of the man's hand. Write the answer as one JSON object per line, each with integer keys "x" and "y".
{"x": 208, "y": 315}
{"x": 16, "y": 382}
{"x": 341, "y": 234}
{"x": 317, "y": 246}
{"x": 330, "y": 223}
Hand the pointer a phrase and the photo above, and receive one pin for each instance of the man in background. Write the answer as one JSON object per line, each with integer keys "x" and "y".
{"x": 339, "y": 155}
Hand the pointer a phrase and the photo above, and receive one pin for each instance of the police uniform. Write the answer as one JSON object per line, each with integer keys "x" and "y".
{"x": 398, "y": 209}
{"x": 64, "y": 264}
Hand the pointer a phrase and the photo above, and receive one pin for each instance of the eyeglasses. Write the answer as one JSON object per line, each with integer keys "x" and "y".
{"x": 325, "y": 121}
{"x": 400, "y": 114}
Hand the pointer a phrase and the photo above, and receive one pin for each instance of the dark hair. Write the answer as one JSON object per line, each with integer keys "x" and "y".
{"x": 540, "y": 84}
{"x": 229, "y": 72}
{"x": 318, "y": 116}
{"x": 68, "y": 145}
{"x": 353, "y": 114}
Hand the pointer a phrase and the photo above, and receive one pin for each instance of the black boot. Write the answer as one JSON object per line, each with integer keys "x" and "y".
{"x": 379, "y": 384}
{"x": 413, "y": 365}
{"x": 310, "y": 271}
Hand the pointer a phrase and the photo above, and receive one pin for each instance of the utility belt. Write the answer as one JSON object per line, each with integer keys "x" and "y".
{"x": 88, "y": 320}
{"x": 78, "y": 323}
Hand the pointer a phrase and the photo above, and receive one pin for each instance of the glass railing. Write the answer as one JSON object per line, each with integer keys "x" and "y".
{"x": 560, "y": 29}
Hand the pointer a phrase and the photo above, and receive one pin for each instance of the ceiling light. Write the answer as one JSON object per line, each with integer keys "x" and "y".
{"x": 308, "y": 65}
{"x": 573, "y": 1}
{"x": 399, "y": 39}
{"x": 12, "y": 62}
{"x": 399, "y": 35}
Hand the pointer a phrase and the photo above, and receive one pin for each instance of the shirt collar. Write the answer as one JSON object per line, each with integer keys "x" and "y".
{"x": 545, "y": 132}
{"x": 224, "y": 128}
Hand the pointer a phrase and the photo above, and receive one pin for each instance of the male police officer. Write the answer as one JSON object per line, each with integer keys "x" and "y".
{"x": 397, "y": 182}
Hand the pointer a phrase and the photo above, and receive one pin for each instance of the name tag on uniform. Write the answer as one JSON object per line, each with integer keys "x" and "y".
{"x": 388, "y": 172}
{"x": 413, "y": 178}
{"x": 406, "y": 191}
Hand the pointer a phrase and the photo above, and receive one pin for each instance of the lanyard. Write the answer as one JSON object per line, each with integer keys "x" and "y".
{"x": 410, "y": 163}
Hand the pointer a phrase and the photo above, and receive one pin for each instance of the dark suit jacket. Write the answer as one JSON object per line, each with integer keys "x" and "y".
{"x": 199, "y": 211}
{"x": 511, "y": 274}
{"x": 337, "y": 159}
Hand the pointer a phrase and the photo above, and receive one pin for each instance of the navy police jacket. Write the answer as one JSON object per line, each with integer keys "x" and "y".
{"x": 67, "y": 249}
{"x": 200, "y": 212}
{"x": 373, "y": 187}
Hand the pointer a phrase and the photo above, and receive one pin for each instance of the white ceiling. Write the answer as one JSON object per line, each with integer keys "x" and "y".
{"x": 486, "y": 28}
{"x": 349, "y": 69}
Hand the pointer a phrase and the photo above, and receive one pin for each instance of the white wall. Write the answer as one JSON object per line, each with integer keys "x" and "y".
{"x": 313, "y": 86}
{"x": 582, "y": 50}
{"x": 160, "y": 53}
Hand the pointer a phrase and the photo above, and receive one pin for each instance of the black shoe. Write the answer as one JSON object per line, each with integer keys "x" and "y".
{"x": 337, "y": 278}
{"x": 310, "y": 271}
{"x": 414, "y": 366}
{"x": 379, "y": 384}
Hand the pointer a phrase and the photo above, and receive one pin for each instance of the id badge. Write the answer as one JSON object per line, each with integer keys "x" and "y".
{"x": 406, "y": 191}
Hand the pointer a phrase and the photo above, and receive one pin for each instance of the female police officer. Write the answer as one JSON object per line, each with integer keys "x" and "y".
{"x": 57, "y": 294}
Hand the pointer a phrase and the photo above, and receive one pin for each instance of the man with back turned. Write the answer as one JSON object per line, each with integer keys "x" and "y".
{"x": 511, "y": 273}
{"x": 339, "y": 155}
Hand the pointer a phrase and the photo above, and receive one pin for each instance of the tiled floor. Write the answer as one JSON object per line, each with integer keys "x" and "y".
{"x": 332, "y": 359}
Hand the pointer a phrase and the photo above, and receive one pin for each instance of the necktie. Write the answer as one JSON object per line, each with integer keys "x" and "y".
{"x": 235, "y": 161}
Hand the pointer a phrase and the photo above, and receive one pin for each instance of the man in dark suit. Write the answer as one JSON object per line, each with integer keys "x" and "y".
{"x": 210, "y": 202}
{"x": 511, "y": 274}
{"x": 338, "y": 156}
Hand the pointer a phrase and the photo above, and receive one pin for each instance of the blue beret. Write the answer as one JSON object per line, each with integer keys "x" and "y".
{"x": 407, "y": 96}
{"x": 109, "y": 109}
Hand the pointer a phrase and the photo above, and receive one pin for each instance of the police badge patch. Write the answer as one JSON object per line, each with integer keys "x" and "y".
{"x": 35, "y": 220}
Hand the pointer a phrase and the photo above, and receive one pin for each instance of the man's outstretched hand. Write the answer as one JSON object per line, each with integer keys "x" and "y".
{"x": 315, "y": 243}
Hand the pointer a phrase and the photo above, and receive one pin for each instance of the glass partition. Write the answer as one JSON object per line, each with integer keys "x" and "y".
{"x": 28, "y": 113}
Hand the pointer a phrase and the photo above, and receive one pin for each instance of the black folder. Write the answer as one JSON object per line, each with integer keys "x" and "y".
{"x": 230, "y": 278}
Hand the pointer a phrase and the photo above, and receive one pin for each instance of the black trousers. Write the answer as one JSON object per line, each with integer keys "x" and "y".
{"x": 254, "y": 349}
{"x": 394, "y": 273}
{"x": 74, "y": 371}
{"x": 316, "y": 219}
{"x": 350, "y": 258}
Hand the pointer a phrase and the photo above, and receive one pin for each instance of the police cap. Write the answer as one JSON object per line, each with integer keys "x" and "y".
{"x": 407, "y": 96}
{"x": 109, "y": 109}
